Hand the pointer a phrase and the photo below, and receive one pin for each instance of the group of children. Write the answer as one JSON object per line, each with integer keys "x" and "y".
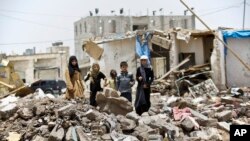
{"x": 122, "y": 82}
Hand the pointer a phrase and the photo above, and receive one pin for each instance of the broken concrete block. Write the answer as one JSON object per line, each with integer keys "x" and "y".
{"x": 57, "y": 134}
{"x": 224, "y": 116}
{"x": 43, "y": 129}
{"x": 92, "y": 114}
{"x": 115, "y": 105}
{"x": 126, "y": 124}
{"x": 25, "y": 113}
{"x": 71, "y": 134}
{"x": 198, "y": 115}
{"x": 14, "y": 136}
{"x": 51, "y": 125}
{"x": 189, "y": 123}
{"x": 155, "y": 138}
{"x": 133, "y": 115}
{"x": 231, "y": 100}
{"x": 38, "y": 138}
{"x": 211, "y": 122}
{"x": 40, "y": 110}
{"x": 81, "y": 135}
{"x": 117, "y": 137}
{"x": 109, "y": 92}
{"x": 64, "y": 110}
{"x": 8, "y": 111}
{"x": 207, "y": 134}
{"x": 106, "y": 137}
{"x": 224, "y": 126}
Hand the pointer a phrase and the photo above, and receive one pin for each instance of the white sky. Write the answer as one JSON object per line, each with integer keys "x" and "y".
{"x": 38, "y": 23}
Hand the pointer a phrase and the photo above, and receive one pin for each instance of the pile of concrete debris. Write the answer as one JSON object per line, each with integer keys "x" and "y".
{"x": 41, "y": 117}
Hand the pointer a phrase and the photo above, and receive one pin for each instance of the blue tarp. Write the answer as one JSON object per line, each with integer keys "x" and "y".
{"x": 240, "y": 34}
{"x": 142, "y": 48}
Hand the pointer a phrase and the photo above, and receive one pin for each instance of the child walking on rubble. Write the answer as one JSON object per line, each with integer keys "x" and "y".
{"x": 125, "y": 81}
{"x": 95, "y": 76}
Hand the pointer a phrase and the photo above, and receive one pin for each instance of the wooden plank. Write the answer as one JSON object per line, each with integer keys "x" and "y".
{"x": 7, "y": 85}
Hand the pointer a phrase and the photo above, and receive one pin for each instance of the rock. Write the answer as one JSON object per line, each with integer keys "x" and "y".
{"x": 189, "y": 123}
{"x": 44, "y": 129}
{"x": 211, "y": 122}
{"x": 38, "y": 138}
{"x": 208, "y": 113}
{"x": 106, "y": 137}
{"x": 117, "y": 137}
{"x": 155, "y": 138}
{"x": 113, "y": 104}
{"x": 109, "y": 92}
{"x": 231, "y": 100}
{"x": 145, "y": 120}
{"x": 93, "y": 114}
{"x": 224, "y": 116}
{"x": 51, "y": 125}
{"x": 142, "y": 132}
{"x": 154, "y": 111}
{"x": 219, "y": 109}
{"x": 198, "y": 115}
{"x": 8, "y": 111}
{"x": 14, "y": 136}
{"x": 71, "y": 134}
{"x": 155, "y": 98}
{"x": 126, "y": 124}
{"x": 173, "y": 101}
{"x": 81, "y": 135}
{"x": 133, "y": 115}
{"x": 224, "y": 126}
{"x": 207, "y": 134}
{"x": 25, "y": 113}
{"x": 64, "y": 111}
{"x": 40, "y": 110}
{"x": 57, "y": 134}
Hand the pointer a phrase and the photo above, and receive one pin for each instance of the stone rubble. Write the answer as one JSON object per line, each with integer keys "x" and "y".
{"x": 170, "y": 118}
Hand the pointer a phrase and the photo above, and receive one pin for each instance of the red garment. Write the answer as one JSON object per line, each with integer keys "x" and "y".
{"x": 180, "y": 114}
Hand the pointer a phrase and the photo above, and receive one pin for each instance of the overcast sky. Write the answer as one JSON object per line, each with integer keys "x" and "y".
{"x": 38, "y": 23}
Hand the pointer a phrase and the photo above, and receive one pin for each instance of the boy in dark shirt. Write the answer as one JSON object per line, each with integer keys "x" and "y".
{"x": 125, "y": 81}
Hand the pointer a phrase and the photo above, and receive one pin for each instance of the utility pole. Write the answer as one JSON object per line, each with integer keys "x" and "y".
{"x": 244, "y": 13}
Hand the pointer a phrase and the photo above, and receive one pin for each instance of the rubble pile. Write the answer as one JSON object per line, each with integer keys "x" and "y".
{"x": 172, "y": 118}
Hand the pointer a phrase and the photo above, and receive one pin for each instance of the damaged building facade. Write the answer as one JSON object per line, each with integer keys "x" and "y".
{"x": 50, "y": 65}
{"x": 170, "y": 48}
{"x": 114, "y": 27}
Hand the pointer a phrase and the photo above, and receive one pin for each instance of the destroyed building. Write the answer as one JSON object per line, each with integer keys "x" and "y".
{"x": 50, "y": 65}
{"x": 116, "y": 26}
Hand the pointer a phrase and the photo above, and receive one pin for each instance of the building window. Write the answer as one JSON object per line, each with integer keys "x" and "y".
{"x": 75, "y": 29}
{"x": 112, "y": 26}
{"x": 80, "y": 28}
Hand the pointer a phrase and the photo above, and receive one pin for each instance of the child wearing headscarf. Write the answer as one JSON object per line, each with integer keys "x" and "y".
{"x": 95, "y": 76}
{"x": 74, "y": 84}
{"x": 144, "y": 77}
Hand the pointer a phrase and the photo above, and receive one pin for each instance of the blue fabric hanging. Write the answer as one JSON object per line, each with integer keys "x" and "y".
{"x": 142, "y": 48}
